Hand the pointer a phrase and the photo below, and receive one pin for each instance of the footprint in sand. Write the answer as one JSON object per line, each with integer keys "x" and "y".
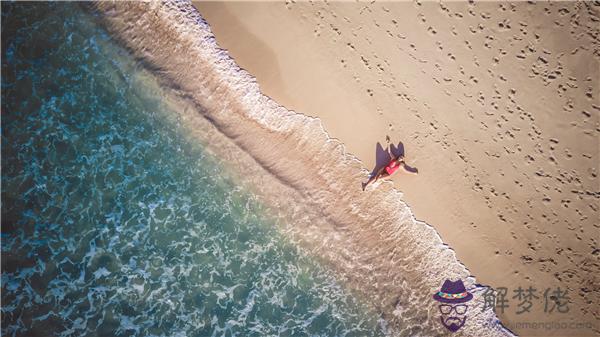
{"x": 504, "y": 25}
{"x": 335, "y": 29}
{"x": 487, "y": 43}
{"x": 317, "y": 30}
{"x": 445, "y": 9}
{"x": 365, "y": 62}
{"x": 522, "y": 27}
{"x": 589, "y": 93}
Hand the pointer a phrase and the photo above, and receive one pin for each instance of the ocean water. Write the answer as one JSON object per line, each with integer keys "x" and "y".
{"x": 116, "y": 222}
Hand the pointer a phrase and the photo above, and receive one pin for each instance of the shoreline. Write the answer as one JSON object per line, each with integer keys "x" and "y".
{"x": 493, "y": 185}
{"x": 395, "y": 259}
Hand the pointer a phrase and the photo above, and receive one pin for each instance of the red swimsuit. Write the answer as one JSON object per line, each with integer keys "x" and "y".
{"x": 392, "y": 167}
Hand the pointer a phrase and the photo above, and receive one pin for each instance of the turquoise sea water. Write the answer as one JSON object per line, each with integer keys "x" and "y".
{"x": 115, "y": 223}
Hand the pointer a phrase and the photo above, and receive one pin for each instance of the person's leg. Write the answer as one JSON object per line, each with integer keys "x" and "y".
{"x": 371, "y": 179}
{"x": 381, "y": 173}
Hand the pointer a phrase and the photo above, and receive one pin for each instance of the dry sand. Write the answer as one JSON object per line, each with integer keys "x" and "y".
{"x": 497, "y": 105}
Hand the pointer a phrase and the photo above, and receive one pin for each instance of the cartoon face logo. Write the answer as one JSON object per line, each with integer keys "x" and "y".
{"x": 453, "y": 310}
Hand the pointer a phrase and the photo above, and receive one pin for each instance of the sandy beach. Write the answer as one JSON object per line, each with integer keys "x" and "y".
{"x": 180, "y": 169}
{"x": 496, "y": 104}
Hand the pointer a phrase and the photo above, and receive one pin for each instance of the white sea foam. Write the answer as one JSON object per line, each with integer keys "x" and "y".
{"x": 371, "y": 240}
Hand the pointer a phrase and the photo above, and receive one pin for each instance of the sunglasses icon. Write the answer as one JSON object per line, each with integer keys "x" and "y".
{"x": 460, "y": 309}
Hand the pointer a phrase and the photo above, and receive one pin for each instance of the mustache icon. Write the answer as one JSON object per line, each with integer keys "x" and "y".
{"x": 453, "y": 323}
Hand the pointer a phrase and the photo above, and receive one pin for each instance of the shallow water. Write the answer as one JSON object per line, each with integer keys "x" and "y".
{"x": 115, "y": 222}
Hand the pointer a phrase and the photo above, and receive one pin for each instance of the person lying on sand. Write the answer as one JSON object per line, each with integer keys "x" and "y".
{"x": 389, "y": 169}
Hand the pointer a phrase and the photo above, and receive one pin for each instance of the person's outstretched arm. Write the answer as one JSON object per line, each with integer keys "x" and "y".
{"x": 410, "y": 169}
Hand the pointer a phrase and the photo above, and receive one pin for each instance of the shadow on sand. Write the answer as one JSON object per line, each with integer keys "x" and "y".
{"x": 384, "y": 156}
